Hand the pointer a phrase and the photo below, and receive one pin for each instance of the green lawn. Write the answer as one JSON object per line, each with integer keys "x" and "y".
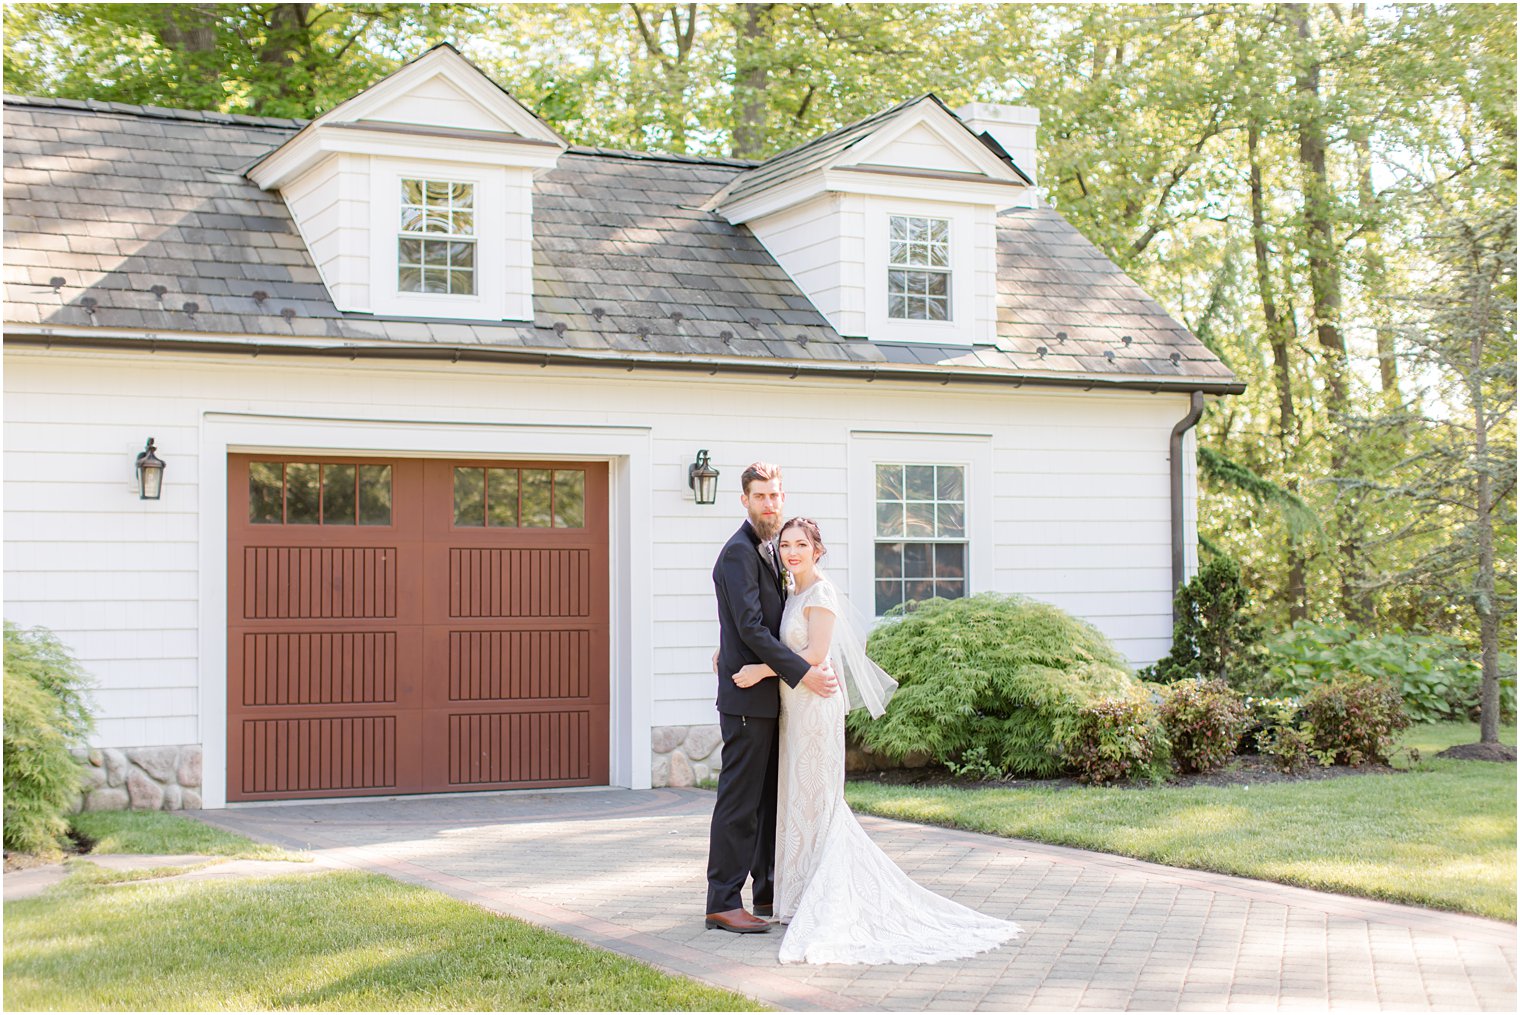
{"x": 1442, "y": 835}
{"x": 336, "y": 942}
{"x": 163, "y": 833}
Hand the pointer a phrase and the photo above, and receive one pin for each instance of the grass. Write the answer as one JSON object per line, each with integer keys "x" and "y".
{"x": 336, "y": 942}
{"x": 164, "y": 834}
{"x": 83, "y": 872}
{"x": 1440, "y": 835}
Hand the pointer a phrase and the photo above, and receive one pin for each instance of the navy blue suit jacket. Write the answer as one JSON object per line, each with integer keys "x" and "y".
{"x": 750, "y": 599}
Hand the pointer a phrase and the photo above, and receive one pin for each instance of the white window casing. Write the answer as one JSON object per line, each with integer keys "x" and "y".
{"x": 964, "y": 279}
{"x": 503, "y": 279}
{"x": 970, "y": 452}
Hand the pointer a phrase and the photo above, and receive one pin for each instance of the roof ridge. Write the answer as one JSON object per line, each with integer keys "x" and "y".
{"x": 850, "y": 126}
{"x": 645, "y": 156}
{"x": 154, "y": 112}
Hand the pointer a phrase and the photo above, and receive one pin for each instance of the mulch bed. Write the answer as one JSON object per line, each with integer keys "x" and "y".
{"x": 1244, "y": 770}
{"x": 1479, "y": 752}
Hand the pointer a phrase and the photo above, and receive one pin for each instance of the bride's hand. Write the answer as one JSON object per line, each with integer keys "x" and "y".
{"x": 752, "y": 674}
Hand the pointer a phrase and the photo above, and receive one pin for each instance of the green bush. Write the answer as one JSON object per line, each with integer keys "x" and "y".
{"x": 1285, "y": 737}
{"x": 1115, "y": 739}
{"x": 1355, "y": 717}
{"x": 1214, "y": 636}
{"x": 1438, "y": 677}
{"x": 992, "y": 671}
{"x": 1204, "y": 722}
{"x": 45, "y": 714}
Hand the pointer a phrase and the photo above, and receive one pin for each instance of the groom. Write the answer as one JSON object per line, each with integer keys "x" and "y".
{"x": 751, "y": 594}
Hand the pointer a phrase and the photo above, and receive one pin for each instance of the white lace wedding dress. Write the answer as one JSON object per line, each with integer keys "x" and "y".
{"x": 841, "y": 897}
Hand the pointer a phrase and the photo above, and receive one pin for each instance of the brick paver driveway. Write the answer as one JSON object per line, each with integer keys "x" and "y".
{"x": 625, "y": 870}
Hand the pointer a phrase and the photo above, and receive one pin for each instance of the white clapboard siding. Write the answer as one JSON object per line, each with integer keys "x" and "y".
{"x": 330, "y": 204}
{"x": 1075, "y": 494}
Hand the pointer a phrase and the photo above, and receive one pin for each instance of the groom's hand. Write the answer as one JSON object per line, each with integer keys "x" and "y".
{"x": 821, "y": 682}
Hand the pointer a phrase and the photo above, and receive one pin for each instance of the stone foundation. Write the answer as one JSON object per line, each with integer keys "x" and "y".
{"x": 688, "y": 755}
{"x": 140, "y": 779}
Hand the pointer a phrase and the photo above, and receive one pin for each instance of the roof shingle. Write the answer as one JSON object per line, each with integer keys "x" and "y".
{"x": 144, "y": 211}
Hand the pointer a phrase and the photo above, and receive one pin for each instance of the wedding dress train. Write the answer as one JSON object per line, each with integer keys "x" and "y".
{"x": 842, "y": 898}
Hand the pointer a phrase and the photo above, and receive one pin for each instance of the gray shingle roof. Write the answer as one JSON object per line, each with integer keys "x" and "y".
{"x": 136, "y": 219}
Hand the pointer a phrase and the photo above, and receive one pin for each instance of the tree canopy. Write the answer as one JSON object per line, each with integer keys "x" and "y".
{"x": 1324, "y": 194}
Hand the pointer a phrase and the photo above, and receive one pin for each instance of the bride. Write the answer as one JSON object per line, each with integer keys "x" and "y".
{"x": 842, "y": 898}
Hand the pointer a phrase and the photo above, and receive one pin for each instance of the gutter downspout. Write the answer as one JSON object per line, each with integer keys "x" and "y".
{"x": 1179, "y": 554}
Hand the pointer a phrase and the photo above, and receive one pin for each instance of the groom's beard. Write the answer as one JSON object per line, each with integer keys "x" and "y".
{"x": 765, "y": 528}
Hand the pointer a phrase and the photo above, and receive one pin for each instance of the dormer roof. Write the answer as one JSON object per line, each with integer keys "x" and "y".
{"x": 163, "y": 243}
{"x": 440, "y": 101}
{"x": 946, "y": 151}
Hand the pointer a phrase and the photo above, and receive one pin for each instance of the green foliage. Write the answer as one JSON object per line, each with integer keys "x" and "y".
{"x": 1214, "y": 637}
{"x": 1204, "y": 720}
{"x": 974, "y": 764}
{"x": 1115, "y": 739}
{"x": 1302, "y": 523}
{"x": 1355, "y": 717}
{"x": 1285, "y": 737}
{"x": 992, "y": 671}
{"x": 45, "y": 715}
{"x": 1437, "y": 675}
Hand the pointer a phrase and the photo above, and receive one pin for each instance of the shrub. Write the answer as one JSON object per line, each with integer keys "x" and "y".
{"x": 1214, "y": 636}
{"x": 1114, "y": 739}
{"x": 1437, "y": 676}
{"x": 991, "y": 671}
{"x": 1286, "y": 738}
{"x": 45, "y": 714}
{"x": 1204, "y": 722}
{"x": 1355, "y": 718}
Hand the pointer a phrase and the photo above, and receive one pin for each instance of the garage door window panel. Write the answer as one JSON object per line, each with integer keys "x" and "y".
{"x": 312, "y": 493}
{"x": 519, "y": 498}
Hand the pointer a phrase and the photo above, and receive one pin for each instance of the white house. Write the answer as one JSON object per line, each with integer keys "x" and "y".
{"x": 429, "y": 384}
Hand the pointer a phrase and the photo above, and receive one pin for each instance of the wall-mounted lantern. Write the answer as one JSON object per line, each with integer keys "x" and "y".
{"x": 703, "y": 479}
{"x": 150, "y": 473}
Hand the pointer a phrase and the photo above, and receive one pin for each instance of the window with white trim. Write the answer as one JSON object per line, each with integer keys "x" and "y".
{"x": 436, "y": 247}
{"x": 918, "y": 268}
{"x": 920, "y": 533}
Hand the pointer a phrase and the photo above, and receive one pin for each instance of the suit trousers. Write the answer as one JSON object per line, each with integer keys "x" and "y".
{"x": 743, "y": 838}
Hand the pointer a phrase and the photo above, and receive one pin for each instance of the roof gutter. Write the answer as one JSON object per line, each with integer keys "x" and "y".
{"x": 1179, "y": 503}
{"x": 48, "y": 337}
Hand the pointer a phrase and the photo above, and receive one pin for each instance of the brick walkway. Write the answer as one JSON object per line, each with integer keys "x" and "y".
{"x": 625, "y": 871}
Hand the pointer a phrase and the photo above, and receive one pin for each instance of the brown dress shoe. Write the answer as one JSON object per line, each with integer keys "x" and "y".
{"x": 737, "y": 921}
{"x": 764, "y": 909}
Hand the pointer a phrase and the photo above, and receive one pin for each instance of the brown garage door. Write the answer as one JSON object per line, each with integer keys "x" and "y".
{"x": 408, "y": 626}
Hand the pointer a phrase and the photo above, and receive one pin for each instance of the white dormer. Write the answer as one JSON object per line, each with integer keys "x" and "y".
{"x": 889, "y": 225}
{"x": 415, "y": 197}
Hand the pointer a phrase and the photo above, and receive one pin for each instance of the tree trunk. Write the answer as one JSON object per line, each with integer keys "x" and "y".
{"x": 287, "y": 43}
{"x": 1325, "y": 286}
{"x": 751, "y": 75}
{"x": 1486, "y": 591}
{"x": 1278, "y": 336}
{"x": 188, "y": 27}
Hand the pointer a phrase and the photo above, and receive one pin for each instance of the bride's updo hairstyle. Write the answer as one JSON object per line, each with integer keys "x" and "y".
{"x": 810, "y": 529}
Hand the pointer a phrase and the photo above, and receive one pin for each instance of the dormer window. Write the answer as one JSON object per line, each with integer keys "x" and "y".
{"x": 918, "y": 268}
{"x": 436, "y": 248}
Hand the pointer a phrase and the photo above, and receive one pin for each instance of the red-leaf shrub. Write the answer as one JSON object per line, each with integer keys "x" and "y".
{"x": 1356, "y": 717}
{"x": 1113, "y": 739}
{"x": 1204, "y": 721}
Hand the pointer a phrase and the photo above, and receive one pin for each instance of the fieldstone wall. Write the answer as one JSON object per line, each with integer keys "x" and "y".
{"x": 687, "y": 755}
{"x": 140, "y": 779}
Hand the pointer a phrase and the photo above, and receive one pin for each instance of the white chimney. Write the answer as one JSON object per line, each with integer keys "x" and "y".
{"x": 1013, "y": 127}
